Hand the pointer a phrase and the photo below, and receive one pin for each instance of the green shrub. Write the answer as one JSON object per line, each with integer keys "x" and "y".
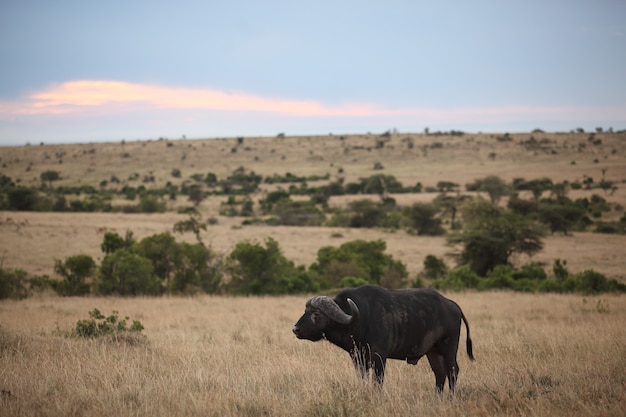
{"x": 13, "y": 284}
{"x": 75, "y": 270}
{"x": 125, "y": 273}
{"x": 297, "y": 213}
{"x": 350, "y": 282}
{"x": 422, "y": 221}
{"x": 459, "y": 279}
{"x": 492, "y": 235}
{"x": 254, "y": 269}
{"x": 592, "y": 282}
{"x": 532, "y": 271}
{"x": 99, "y": 326}
{"x": 358, "y": 259}
{"x": 434, "y": 267}
{"x": 366, "y": 213}
{"x": 22, "y": 199}
{"x": 151, "y": 204}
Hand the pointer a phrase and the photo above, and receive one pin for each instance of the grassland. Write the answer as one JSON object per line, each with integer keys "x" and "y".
{"x": 32, "y": 241}
{"x": 556, "y": 355}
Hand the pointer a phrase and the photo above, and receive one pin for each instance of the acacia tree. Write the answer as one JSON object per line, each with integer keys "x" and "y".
{"x": 494, "y": 186}
{"x": 492, "y": 235}
{"x": 422, "y": 220}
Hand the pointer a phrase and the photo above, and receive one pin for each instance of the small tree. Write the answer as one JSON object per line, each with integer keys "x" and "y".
{"x": 559, "y": 217}
{"x": 492, "y": 235}
{"x": 422, "y": 220}
{"x": 196, "y": 194}
{"x": 434, "y": 267}
{"x": 13, "y": 284}
{"x": 358, "y": 259}
{"x": 75, "y": 270}
{"x": 125, "y": 273}
{"x": 366, "y": 213}
{"x": 536, "y": 186}
{"x": 22, "y": 199}
{"x": 255, "y": 269}
{"x": 162, "y": 250}
{"x": 113, "y": 241}
{"x": 49, "y": 176}
{"x": 192, "y": 224}
{"x": 494, "y": 186}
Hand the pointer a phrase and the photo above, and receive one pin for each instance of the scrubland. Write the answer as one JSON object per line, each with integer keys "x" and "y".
{"x": 33, "y": 240}
{"x": 557, "y": 355}
{"x": 536, "y": 354}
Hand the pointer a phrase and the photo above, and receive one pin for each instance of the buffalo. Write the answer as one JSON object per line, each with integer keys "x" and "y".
{"x": 374, "y": 324}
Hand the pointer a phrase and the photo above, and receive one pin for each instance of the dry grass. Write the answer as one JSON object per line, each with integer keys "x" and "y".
{"x": 429, "y": 160}
{"x": 32, "y": 241}
{"x": 536, "y": 355}
{"x": 49, "y": 236}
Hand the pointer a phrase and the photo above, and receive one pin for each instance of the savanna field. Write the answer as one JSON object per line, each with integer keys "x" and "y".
{"x": 224, "y": 355}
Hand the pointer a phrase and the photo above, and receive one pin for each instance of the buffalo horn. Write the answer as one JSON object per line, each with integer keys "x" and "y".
{"x": 329, "y": 307}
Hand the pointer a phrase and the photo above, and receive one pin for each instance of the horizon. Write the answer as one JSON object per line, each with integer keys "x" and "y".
{"x": 393, "y": 131}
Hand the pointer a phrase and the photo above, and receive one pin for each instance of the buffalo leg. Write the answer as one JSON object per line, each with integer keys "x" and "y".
{"x": 379, "y": 369}
{"x": 438, "y": 365}
{"x": 448, "y": 349}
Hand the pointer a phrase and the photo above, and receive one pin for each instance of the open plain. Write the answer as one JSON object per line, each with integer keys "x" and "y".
{"x": 536, "y": 354}
{"x": 32, "y": 240}
{"x": 556, "y": 355}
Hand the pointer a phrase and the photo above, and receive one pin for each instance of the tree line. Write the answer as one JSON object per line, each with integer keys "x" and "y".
{"x": 548, "y": 204}
{"x": 159, "y": 264}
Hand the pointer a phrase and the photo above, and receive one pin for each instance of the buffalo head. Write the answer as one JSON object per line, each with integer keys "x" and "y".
{"x": 322, "y": 312}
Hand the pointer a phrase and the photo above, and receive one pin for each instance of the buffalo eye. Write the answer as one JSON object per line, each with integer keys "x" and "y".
{"x": 315, "y": 316}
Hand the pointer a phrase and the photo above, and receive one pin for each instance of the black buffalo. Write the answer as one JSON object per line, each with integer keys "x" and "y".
{"x": 374, "y": 324}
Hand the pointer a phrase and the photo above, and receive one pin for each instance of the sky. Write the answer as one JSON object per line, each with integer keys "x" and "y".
{"x": 87, "y": 71}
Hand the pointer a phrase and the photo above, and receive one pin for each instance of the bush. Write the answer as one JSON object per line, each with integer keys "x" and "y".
{"x": 366, "y": 213}
{"x": 492, "y": 235}
{"x": 13, "y": 284}
{"x": 255, "y": 269}
{"x": 592, "y": 282}
{"x": 350, "y": 282}
{"x": 361, "y": 260}
{"x": 559, "y": 216}
{"x": 151, "y": 204}
{"x": 75, "y": 270}
{"x": 112, "y": 241}
{"x": 22, "y": 199}
{"x": 422, "y": 220}
{"x": 125, "y": 273}
{"x": 98, "y": 326}
{"x": 297, "y": 213}
{"x": 458, "y": 280}
{"x": 493, "y": 185}
{"x": 434, "y": 267}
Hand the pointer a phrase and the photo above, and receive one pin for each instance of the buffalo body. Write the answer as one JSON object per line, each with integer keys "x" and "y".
{"x": 374, "y": 324}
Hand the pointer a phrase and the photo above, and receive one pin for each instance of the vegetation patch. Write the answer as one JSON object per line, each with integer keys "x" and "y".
{"x": 110, "y": 327}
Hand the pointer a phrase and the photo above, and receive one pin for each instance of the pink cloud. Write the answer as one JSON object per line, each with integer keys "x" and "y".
{"x": 77, "y": 96}
{"x": 101, "y": 97}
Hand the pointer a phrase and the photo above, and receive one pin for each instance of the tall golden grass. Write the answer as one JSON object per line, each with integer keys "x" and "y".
{"x": 556, "y": 355}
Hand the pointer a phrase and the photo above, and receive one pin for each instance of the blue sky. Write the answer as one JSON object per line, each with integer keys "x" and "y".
{"x": 81, "y": 71}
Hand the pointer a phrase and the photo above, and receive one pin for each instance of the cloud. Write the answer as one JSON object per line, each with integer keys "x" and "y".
{"x": 113, "y": 96}
{"x": 98, "y": 98}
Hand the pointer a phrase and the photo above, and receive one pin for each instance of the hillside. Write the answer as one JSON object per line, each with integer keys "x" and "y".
{"x": 32, "y": 240}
